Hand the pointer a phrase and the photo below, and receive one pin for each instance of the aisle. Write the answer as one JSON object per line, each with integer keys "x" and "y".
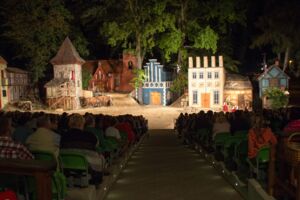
{"x": 163, "y": 169}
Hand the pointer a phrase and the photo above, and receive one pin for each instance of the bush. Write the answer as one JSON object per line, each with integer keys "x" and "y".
{"x": 277, "y": 97}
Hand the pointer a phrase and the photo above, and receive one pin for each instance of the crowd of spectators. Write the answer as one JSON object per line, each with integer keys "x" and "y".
{"x": 100, "y": 138}
{"x": 267, "y": 128}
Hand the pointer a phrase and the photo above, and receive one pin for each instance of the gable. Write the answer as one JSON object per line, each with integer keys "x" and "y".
{"x": 273, "y": 72}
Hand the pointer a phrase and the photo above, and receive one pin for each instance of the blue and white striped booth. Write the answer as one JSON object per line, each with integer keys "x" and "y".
{"x": 156, "y": 88}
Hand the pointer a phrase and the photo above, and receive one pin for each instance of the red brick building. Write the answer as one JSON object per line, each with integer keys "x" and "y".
{"x": 111, "y": 75}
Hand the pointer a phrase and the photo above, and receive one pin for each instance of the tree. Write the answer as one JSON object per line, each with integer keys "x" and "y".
{"x": 195, "y": 26}
{"x": 277, "y": 97}
{"x": 139, "y": 78}
{"x": 280, "y": 28}
{"x": 132, "y": 22}
{"x": 36, "y": 29}
{"x": 86, "y": 77}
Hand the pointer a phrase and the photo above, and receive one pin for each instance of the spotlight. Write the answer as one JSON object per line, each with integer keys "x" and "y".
{"x": 236, "y": 184}
{"x": 105, "y": 188}
{"x": 223, "y": 171}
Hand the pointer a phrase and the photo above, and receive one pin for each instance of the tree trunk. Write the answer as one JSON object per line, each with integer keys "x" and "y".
{"x": 286, "y": 58}
{"x": 138, "y": 51}
{"x": 182, "y": 26}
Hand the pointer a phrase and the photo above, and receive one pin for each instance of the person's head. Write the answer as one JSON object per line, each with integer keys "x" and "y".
{"x": 5, "y": 126}
{"x": 43, "y": 122}
{"x": 258, "y": 121}
{"x": 76, "y": 121}
{"x": 89, "y": 120}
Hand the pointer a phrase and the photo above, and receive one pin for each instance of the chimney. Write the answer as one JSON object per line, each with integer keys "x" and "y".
{"x": 213, "y": 61}
{"x": 198, "y": 65}
{"x": 205, "y": 62}
{"x": 191, "y": 62}
{"x": 221, "y": 61}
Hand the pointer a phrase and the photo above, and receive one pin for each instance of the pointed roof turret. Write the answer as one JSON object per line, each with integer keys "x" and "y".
{"x": 67, "y": 54}
{"x": 2, "y": 61}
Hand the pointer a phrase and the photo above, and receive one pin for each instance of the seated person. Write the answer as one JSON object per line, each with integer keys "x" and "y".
{"x": 293, "y": 124}
{"x": 44, "y": 138}
{"x": 258, "y": 137}
{"x": 77, "y": 140}
{"x": 239, "y": 122}
{"x": 21, "y": 131}
{"x": 221, "y": 125}
{"x": 9, "y": 148}
{"x": 111, "y": 130}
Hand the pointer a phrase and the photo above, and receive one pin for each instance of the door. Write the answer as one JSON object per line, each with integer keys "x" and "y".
{"x": 205, "y": 100}
{"x": 241, "y": 101}
{"x": 155, "y": 98}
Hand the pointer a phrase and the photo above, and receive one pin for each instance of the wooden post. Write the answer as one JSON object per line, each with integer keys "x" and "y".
{"x": 271, "y": 170}
{"x": 298, "y": 182}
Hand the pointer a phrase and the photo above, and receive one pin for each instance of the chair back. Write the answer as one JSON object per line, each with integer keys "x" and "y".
{"x": 43, "y": 155}
{"x": 263, "y": 155}
{"x": 73, "y": 161}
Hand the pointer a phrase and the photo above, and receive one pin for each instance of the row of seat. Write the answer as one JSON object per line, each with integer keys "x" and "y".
{"x": 232, "y": 149}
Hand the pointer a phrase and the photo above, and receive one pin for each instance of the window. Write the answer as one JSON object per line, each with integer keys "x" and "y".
{"x": 130, "y": 65}
{"x": 216, "y": 75}
{"x": 72, "y": 75}
{"x": 265, "y": 83}
{"x": 216, "y": 97}
{"x": 201, "y": 75}
{"x": 209, "y": 75}
{"x": 194, "y": 75}
{"x": 283, "y": 82}
{"x": 4, "y": 93}
{"x": 195, "y": 97}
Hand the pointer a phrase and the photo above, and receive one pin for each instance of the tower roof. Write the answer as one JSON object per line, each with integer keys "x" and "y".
{"x": 67, "y": 54}
{"x": 2, "y": 61}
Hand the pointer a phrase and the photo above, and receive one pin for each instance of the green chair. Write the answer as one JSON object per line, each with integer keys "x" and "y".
{"x": 59, "y": 185}
{"x": 261, "y": 161}
{"x": 75, "y": 167}
{"x": 240, "y": 153}
{"x": 220, "y": 139}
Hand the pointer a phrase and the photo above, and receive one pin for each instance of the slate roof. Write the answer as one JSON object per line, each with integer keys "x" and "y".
{"x": 16, "y": 70}
{"x": 67, "y": 54}
{"x": 237, "y": 82}
{"x": 269, "y": 69}
{"x": 2, "y": 61}
{"x": 56, "y": 82}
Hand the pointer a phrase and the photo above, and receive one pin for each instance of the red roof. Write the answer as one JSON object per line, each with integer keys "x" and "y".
{"x": 67, "y": 54}
{"x": 110, "y": 66}
{"x": 2, "y": 61}
{"x": 91, "y": 66}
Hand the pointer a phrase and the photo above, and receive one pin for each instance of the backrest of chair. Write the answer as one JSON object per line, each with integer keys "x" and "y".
{"x": 263, "y": 155}
{"x": 222, "y": 136}
{"x": 43, "y": 155}
{"x": 73, "y": 160}
{"x": 242, "y": 133}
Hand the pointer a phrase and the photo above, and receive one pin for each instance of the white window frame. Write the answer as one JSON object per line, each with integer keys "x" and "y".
{"x": 201, "y": 75}
{"x": 195, "y": 97}
{"x": 216, "y": 97}
{"x": 209, "y": 75}
{"x": 216, "y": 75}
{"x": 194, "y": 75}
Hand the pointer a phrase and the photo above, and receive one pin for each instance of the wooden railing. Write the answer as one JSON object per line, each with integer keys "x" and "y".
{"x": 40, "y": 170}
{"x": 276, "y": 181}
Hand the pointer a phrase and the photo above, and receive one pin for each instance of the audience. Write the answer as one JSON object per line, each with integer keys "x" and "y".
{"x": 8, "y": 147}
{"x": 259, "y": 136}
{"x": 44, "y": 138}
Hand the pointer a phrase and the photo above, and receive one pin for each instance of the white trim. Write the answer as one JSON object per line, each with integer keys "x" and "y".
{"x": 152, "y": 69}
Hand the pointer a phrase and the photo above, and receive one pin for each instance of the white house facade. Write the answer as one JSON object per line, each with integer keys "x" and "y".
{"x": 206, "y": 77}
